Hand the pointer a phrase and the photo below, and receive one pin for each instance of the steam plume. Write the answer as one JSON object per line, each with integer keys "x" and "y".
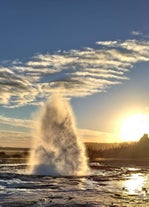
{"x": 57, "y": 149}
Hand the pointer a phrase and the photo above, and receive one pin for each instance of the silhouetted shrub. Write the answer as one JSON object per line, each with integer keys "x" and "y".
{"x": 17, "y": 155}
{"x": 133, "y": 150}
{"x": 2, "y": 154}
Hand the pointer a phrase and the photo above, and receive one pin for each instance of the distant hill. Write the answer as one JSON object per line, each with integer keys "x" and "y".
{"x": 130, "y": 150}
{"x": 144, "y": 141}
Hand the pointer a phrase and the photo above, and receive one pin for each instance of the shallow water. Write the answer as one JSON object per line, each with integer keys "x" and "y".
{"x": 108, "y": 185}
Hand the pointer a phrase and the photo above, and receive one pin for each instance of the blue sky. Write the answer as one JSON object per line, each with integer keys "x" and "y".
{"x": 97, "y": 49}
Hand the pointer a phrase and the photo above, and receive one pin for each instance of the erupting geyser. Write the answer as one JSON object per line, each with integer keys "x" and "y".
{"x": 57, "y": 149}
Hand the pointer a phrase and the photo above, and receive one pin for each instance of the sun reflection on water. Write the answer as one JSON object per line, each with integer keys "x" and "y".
{"x": 136, "y": 184}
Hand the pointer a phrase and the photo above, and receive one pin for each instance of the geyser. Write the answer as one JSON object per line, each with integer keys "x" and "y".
{"x": 57, "y": 149}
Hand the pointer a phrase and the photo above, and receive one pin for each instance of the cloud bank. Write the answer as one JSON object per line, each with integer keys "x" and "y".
{"x": 76, "y": 73}
{"x": 14, "y": 139}
{"x": 88, "y": 135}
{"x": 19, "y": 138}
{"x": 23, "y": 139}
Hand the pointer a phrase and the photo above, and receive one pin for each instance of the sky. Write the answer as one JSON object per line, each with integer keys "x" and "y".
{"x": 98, "y": 50}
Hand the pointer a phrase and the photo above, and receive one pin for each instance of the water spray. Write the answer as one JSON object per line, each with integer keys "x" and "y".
{"x": 57, "y": 149}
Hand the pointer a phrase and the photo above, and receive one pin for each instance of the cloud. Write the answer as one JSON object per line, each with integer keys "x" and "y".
{"x": 88, "y": 135}
{"x": 14, "y": 139}
{"x": 16, "y": 122}
{"x": 24, "y": 139}
{"x": 136, "y": 33}
{"x": 76, "y": 73}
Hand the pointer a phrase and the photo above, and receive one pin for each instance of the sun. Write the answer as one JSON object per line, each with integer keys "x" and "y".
{"x": 133, "y": 127}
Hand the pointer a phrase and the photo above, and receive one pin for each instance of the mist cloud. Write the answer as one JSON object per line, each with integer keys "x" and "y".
{"x": 76, "y": 72}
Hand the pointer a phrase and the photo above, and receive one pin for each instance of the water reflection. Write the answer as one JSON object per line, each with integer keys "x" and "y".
{"x": 136, "y": 184}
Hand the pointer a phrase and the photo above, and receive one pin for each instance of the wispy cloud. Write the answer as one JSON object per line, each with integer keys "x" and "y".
{"x": 14, "y": 139}
{"x": 88, "y": 135}
{"x": 137, "y": 33}
{"x": 23, "y": 139}
{"x": 16, "y": 122}
{"x": 18, "y": 138}
{"x": 75, "y": 72}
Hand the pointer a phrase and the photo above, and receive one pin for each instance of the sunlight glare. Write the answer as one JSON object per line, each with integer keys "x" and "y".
{"x": 133, "y": 127}
{"x": 135, "y": 184}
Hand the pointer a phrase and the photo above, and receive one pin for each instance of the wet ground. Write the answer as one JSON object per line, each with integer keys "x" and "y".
{"x": 110, "y": 184}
